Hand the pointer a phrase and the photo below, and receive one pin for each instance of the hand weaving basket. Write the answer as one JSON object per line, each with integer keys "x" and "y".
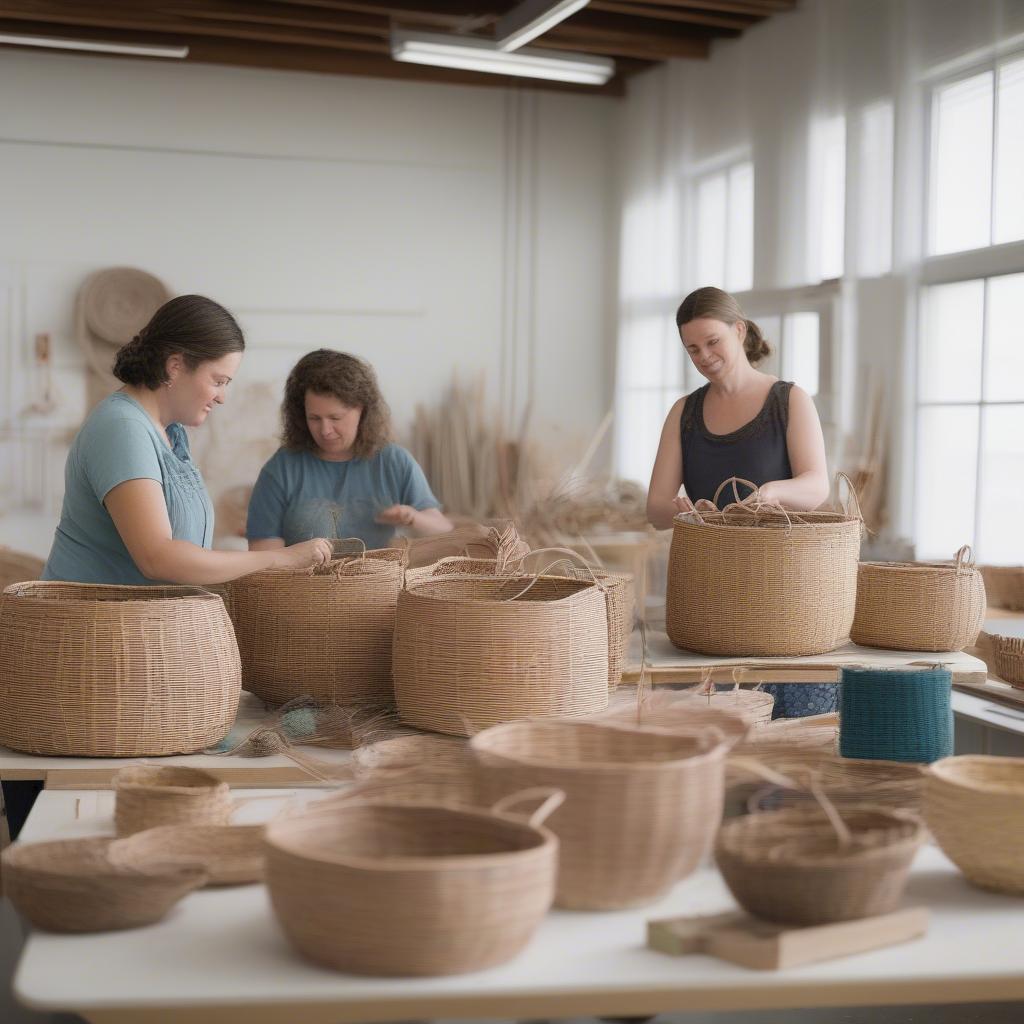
{"x": 1008, "y": 652}
{"x": 756, "y": 581}
{"x": 150, "y": 795}
{"x": 919, "y": 606}
{"x": 103, "y": 671}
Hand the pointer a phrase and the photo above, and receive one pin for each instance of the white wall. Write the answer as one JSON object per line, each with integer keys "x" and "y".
{"x": 427, "y": 228}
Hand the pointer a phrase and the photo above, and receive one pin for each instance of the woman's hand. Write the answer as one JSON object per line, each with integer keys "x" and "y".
{"x": 683, "y": 504}
{"x": 397, "y": 515}
{"x": 310, "y": 552}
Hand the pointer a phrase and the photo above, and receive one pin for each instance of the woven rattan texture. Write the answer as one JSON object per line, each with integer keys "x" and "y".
{"x": 641, "y": 806}
{"x": 103, "y": 671}
{"x": 1009, "y": 657}
{"x": 404, "y": 890}
{"x": 471, "y": 652}
{"x": 228, "y": 854}
{"x": 16, "y": 567}
{"x": 1004, "y": 585}
{"x": 147, "y": 796}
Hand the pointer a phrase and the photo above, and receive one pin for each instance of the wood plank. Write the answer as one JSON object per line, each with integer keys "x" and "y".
{"x": 994, "y": 690}
{"x": 758, "y": 8}
{"x": 647, "y": 46}
{"x": 674, "y": 14}
{"x": 246, "y": 776}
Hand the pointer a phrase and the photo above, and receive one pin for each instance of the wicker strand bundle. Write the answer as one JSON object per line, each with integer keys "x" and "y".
{"x": 110, "y": 671}
{"x": 1008, "y": 652}
{"x": 150, "y": 795}
{"x": 919, "y": 606}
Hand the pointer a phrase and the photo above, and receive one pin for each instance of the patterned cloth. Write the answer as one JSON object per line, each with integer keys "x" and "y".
{"x": 800, "y": 700}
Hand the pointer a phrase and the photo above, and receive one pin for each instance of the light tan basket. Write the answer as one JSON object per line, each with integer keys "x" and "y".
{"x": 641, "y": 810}
{"x": 386, "y": 889}
{"x": 103, "y": 671}
{"x": 474, "y": 651}
{"x": 670, "y": 711}
{"x": 325, "y": 631}
{"x": 974, "y": 806}
{"x": 756, "y": 581}
{"x": 1008, "y": 652}
{"x": 17, "y": 567}
{"x": 1004, "y": 586}
{"x": 150, "y": 795}
{"x": 919, "y": 606}
{"x": 70, "y": 885}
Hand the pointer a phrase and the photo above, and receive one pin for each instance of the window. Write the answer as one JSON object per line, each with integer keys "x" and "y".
{"x": 795, "y": 339}
{"x": 723, "y": 238}
{"x": 826, "y": 198}
{"x": 874, "y": 189}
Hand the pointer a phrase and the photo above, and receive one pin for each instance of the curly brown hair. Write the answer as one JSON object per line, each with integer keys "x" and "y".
{"x": 348, "y": 379}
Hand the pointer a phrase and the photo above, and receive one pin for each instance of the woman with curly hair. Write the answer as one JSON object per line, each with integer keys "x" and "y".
{"x": 337, "y": 473}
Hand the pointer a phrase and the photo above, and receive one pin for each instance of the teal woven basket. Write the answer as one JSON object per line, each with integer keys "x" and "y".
{"x": 896, "y": 714}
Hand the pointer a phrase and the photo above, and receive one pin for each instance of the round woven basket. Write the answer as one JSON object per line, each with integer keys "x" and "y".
{"x": 1009, "y": 657}
{"x": 641, "y": 809}
{"x": 70, "y": 885}
{"x": 790, "y": 866}
{"x": 671, "y": 712}
{"x": 919, "y": 606}
{"x": 324, "y": 631}
{"x": 103, "y": 671}
{"x": 16, "y": 567}
{"x": 974, "y": 807}
{"x": 471, "y": 652}
{"x": 1004, "y": 585}
{"x": 755, "y": 581}
{"x": 386, "y": 889}
{"x": 147, "y": 796}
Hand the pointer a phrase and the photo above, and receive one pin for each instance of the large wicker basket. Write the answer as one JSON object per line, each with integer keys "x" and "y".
{"x": 385, "y": 889}
{"x": 1004, "y": 585}
{"x": 755, "y": 581}
{"x": 919, "y": 606}
{"x": 325, "y": 631}
{"x": 16, "y": 567}
{"x": 104, "y": 671}
{"x": 471, "y": 652}
{"x": 641, "y": 809}
{"x": 1008, "y": 652}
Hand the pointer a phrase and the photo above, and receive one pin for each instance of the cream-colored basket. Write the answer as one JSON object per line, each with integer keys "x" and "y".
{"x": 109, "y": 671}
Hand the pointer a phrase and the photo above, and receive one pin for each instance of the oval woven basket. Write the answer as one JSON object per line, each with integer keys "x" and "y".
{"x": 1008, "y": 652}
{"x": 974, "y": 807}
{"x": 150, "y": 795}
{"x": 17, "y": 567}
{"x": 384, "y": 889}
{"x": 471, "y": 652}
{"x": 790, "y": 867}
{"x": 754, "y": 581}
{"x": 1004, "y": 585}
{"x": 919, "y": 606}
{"x": 70, "y": 885}
{"x": 641, "y": 809}
{"x": 103, "y": 671}
{"x": 324, "y": 632}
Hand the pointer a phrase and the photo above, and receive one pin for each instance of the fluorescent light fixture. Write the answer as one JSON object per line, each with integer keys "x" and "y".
{"x": 467, "y": 53}
{"x": 533, "y": 18}
{"x": 95, "y": 46}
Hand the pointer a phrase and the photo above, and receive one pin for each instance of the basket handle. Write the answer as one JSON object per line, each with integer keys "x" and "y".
{"x": 553, "y": 799}
{"x": 964, "y": 559}
{"x": 852, "y": 497}
{"x": 734, "y": 480}
{"x": 571, "y": 554}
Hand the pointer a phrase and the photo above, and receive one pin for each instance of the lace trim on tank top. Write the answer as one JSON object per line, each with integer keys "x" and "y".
{"x": 777, "y": 399}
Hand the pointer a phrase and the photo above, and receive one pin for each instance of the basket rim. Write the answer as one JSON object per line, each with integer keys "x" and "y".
{"x": 841, "y": 522}
{"x": 14, "y": 860}
{"x": 371, "y": 567}
{"x": 946, "y": 770}
{"x": 412, "y": 589}
{"x": 210, "y": 784}
{"x": 949, "y": 568}
{"x": 136, "y": 594}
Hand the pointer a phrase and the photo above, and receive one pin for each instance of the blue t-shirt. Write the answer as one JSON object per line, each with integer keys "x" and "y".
{"x": 299, "y": 496}
{"x": 120, "y": 442}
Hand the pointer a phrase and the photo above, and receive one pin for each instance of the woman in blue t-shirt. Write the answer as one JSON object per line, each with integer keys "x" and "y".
{"x": 337, "y": 473}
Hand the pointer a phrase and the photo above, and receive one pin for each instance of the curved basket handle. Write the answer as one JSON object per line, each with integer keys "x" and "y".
{"x": 965, "y": 559}
{"x": 734, "y": 480}
{"x": 571, "y": 554}
{"x": 852, "y": 497}
{"x": 553, "y": 799}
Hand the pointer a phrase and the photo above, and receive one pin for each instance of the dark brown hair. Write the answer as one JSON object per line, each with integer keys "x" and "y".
{"x": 190, "y": 326}
{"x": 719, "y": 305}
{"x": 346, "y": 378}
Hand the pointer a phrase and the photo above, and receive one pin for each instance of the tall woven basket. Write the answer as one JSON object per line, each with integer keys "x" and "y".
{"x": 471, "y": 652}
{"x": 324, "y": 631}
{"x": 919, "y": 606}
{"x": 104, "y": 671}
{"x": 756, "y": 581}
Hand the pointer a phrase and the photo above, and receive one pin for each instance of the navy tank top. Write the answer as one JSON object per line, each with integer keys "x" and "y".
{"x": 756, "y": 452}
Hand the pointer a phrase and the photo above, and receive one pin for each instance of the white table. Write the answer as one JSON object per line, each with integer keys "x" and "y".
{"x": 220, "y": 955}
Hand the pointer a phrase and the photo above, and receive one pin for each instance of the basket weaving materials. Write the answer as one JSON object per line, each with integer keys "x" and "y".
{"x": 641, "y": 809}
{"x": 471, "y": 652}
{"x": 16, "y": 567}
{"x": 386, "y": 889}
{"x": 1008, "y": 652}
{"x": 974, "y": 807}
{"x": 104, "y": 671}
{"x": 919, "y": 606}
{"x": 70, "y": 885}
{"x": 1004, "y": 585}
{"x": 324, "y": 631}
{"x": 411, "y": 753}
{"x": 150, "y": 795}
{"x": 670, "y": 711}
{"x": 753, "y": 580}
{"x": 896, "y": 714}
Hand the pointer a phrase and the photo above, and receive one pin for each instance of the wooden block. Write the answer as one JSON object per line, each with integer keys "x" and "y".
{"x": 763, "y": 946}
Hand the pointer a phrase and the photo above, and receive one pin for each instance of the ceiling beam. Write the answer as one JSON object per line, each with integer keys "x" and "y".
{"x": 757, "y": 8}
{"x": 676, "y": 14}
{"x": 655, "y": 46}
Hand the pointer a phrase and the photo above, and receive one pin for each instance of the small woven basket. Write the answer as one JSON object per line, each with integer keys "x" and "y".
{"x": 385, "y": 889}
{"x": 974, "y": 807}
{"x": 471, "y": 652}
{"x": 641, "y": 810}
{"x": 104, "y": 671}
{"x": 1004, "y": 585}
{"x": 17, "y": 567}
{"x": 1008, "y": 652}
{"x": 150, "y": 795}
{"x": 70, "y": 885}
{"x": 919, "y": 606}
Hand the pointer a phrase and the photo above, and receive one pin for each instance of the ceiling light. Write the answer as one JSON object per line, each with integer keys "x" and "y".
{"x": 468, "y": 53}
{"x": 533, "y": 18}
{"x": 95, "y": 46}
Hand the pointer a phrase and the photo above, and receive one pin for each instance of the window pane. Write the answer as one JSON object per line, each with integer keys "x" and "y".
{"x": 947, "y": 461}
{"x": 648, "y": 353}
{"x": 739, "y": 271}
{"x": 1008, "y": 222}
{"x": 949, "y": 350}
{"x": 709, "y": 244}
{"x": 961, "y": 165}
{"x": 1000, "y": 533}
{"x": 800, "y": 353}
{"x": 1004, "y": 346}
{"x": 874, "y": 205}
{"x": 640, "y": 417}
{"x": 826, "y": 198}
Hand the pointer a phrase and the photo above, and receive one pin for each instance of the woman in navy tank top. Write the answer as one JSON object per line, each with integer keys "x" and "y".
{"x": 742, "y": 423}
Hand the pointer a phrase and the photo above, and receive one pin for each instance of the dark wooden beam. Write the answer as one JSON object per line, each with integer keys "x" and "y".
{"x": 674, "y": 14}
{"x": 646, "y": 46}
{"x": 757, "y": 8}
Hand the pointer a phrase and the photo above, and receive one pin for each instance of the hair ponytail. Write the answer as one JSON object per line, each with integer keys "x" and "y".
{"x": 754, "y": 344}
